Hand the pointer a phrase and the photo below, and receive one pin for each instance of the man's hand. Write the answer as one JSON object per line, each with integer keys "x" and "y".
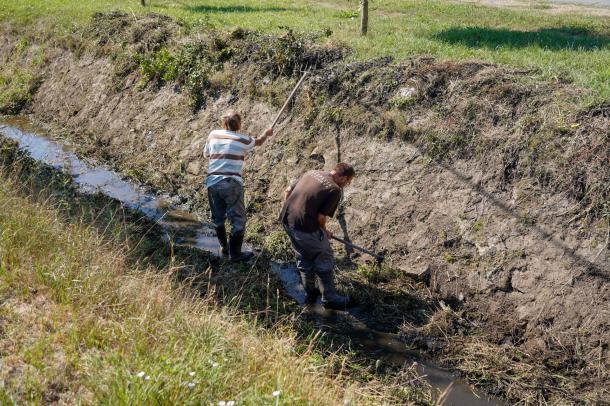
{"x": 261, "y": 139}
{"x": 322, "y": 223}
{"x": 287, "y": 192}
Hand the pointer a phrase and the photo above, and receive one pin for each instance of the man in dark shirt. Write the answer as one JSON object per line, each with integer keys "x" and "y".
{"x": 309, "y": 203}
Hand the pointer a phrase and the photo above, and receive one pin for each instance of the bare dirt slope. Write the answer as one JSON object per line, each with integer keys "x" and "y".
{"x": 498, "y": 185}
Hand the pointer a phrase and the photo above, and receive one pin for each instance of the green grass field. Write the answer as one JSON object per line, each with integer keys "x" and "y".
{"x": 557, "y": 46}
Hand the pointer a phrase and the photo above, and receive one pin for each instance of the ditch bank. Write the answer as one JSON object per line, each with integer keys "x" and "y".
{"x": 493, "y": 187}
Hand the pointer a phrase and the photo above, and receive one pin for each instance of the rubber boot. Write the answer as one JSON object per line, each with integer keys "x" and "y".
{"x": 308, "y": 279}
{"x": 221, "y": 233}
{"x": 235, "y": 242}
{"x": 330, "y": 298}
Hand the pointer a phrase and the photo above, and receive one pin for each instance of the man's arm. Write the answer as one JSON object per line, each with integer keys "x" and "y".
{"x": 322, "y": 223}
{"x": 289, "y": 189}
{"x": 263, "y": 137}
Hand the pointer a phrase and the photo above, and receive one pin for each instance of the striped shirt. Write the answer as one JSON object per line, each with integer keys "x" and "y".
{"x": 226, "y": 150}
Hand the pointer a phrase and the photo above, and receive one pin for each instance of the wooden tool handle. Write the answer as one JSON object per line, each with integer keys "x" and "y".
{"x": 289, "y": 98}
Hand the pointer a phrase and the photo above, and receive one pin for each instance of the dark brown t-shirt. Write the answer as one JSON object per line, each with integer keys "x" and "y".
{"x": 314, "y": 193}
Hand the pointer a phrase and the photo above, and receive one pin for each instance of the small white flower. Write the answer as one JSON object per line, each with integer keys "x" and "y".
{"x": 147, "y": 378}
{"x": 191, "y": 384}
{"x": 140, "y": 374}
{"x": 191, "y": 373}
{"x": 222, "y": 403}
{"x": 276, "y": 393}
{"x": 346, "y": 401}
{"x": 231, "y": 403}
{"x": 214, "y": 364}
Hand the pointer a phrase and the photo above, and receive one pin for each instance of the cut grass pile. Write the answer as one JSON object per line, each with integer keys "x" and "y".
{"x": 78, "y": 325}
{"x": 571, "y": 47}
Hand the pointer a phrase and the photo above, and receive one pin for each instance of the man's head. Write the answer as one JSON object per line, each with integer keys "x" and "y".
{"x": 343, "y": 174}
{"x": 231, "y": 121}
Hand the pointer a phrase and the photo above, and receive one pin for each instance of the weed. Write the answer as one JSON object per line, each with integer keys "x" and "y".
{"x": 477, "y": 226}
{"x": 21, "y": 46}
{"x": 402, "y": 102}
{"x": 158, "y": 67}
{"x": 347, "y": 14}
{"x": 16, "y": 89}
{"x": 277, "y": 244}
{"x": 449, "y": 258}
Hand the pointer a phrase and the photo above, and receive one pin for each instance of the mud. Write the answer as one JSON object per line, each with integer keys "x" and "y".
{"x": 497, "y": 185}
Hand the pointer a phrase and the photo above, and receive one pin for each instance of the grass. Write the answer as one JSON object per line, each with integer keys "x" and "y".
{"x": 556, "y": 46}
{"x": 17, "y": 80}
{"x": 81, "y": 325}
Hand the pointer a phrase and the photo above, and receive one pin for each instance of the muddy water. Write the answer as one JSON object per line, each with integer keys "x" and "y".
{"x": 186, "y": 229}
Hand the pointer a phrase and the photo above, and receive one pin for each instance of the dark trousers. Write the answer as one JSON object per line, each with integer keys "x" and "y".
{"x": 314, "y": 258}
{"x": 312, "y": 250}
{"x": 227, "y": 201}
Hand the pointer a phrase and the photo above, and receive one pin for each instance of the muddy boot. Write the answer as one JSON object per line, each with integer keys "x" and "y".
{"x": 235, "y": 242}
{"x": 308, "y": 279}
{"x": 330, "y": 298}
{"x": 221, "y": 233}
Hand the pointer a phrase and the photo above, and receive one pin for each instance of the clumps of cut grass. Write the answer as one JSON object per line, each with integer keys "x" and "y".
{"x": 190, "y": 64}
{"x": 510, "y": 371}
{"x": 116, "y": 30}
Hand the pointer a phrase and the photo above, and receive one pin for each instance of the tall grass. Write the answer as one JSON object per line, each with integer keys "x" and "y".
{"x": 79, "y": 325}
{"x": 557, "y": 46}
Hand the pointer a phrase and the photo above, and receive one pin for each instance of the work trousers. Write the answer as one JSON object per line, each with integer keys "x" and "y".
{"x": 227, "y": 201}
{"x": 313, "y": 252}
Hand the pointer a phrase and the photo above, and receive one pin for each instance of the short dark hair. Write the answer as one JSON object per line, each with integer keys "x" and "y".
{"x": 231, "y": 121}
{"x": 343, "y": 169}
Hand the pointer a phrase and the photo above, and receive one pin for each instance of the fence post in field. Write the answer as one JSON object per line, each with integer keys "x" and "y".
{"x": 364, "y": 16}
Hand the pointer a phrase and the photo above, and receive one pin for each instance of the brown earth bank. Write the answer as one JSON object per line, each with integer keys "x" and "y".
{"x": 496, "y": 184}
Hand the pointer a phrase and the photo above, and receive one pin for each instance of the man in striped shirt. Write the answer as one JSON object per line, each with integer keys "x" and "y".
{"x": 226, "y": 150}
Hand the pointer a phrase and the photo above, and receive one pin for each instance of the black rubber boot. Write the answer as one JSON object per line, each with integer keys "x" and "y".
{"x": 221, "y": 233}
{"x": 237, "y": 255}
{"x": 308, "y": 279}
{"x": 330, "y": 298}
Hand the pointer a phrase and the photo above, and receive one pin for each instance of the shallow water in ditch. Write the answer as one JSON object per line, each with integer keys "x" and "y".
{"x": 187, "y": 229}
{"x": 385, "y": 346}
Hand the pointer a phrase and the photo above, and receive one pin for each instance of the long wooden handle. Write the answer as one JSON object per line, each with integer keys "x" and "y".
{"x": 349, "y": 244}
{"x": 289, "y": 98}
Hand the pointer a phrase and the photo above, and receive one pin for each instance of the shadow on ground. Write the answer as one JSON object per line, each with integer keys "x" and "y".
{"x": 234, "y": 9}
{"x": 574, "y": 38}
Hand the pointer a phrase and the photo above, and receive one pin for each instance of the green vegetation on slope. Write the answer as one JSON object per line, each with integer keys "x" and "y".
{"x": 78, "y": 325}
{"x": 556, "y": 46}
